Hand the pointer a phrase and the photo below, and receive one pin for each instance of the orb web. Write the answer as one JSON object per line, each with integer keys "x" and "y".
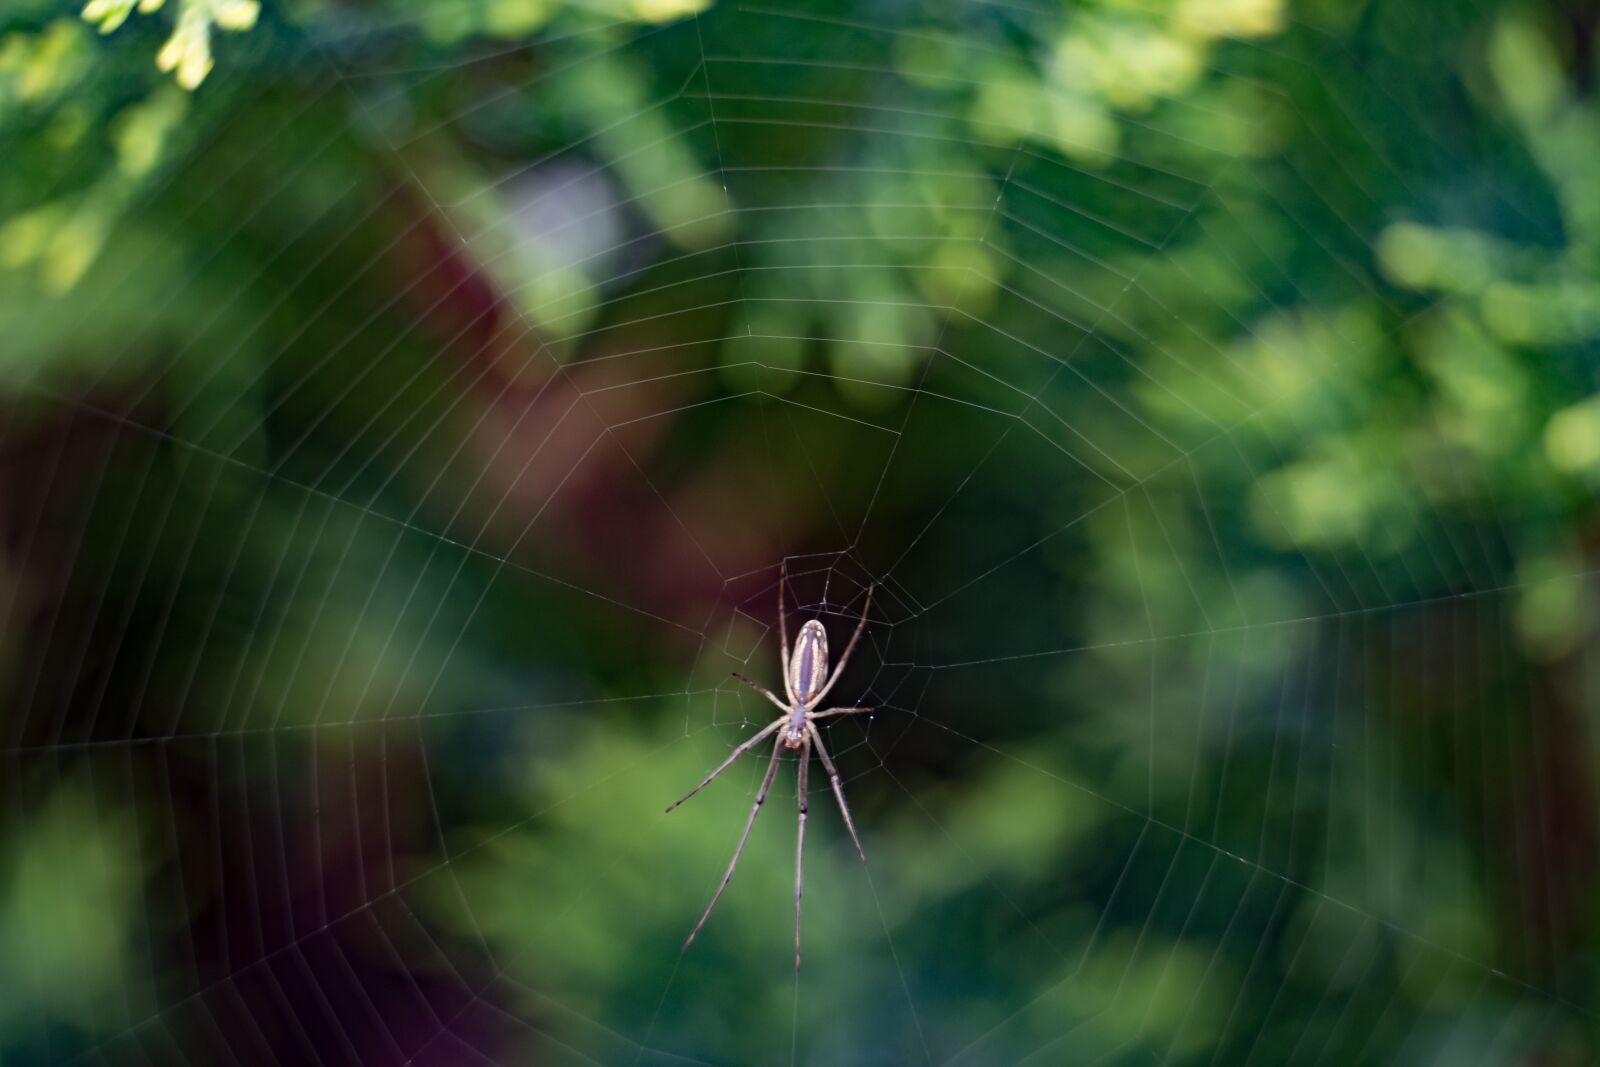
{"x": 384, "y": 583}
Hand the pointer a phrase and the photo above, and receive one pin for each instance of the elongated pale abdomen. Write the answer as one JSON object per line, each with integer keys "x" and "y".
{"x": 808, "y": 665}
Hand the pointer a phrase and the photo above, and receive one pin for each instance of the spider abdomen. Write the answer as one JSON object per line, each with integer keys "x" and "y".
{"x": 808, "y": 664}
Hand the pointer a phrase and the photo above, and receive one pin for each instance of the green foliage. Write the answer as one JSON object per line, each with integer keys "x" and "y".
{"x": 187, "y": 53}
{"x": 70, "y": 903}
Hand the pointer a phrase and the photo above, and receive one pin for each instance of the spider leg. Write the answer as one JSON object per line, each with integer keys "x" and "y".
{"x": 851, "y": 647}
{"x": 783, "y": 627}
{"x": 741, "y": 750}
{"x": 800, "y": 845}
{"x": 841, "y": 711}
{"x": 764, "y": 691}
{"x": 813, "y": 735}
{"x": 766, "y": 784}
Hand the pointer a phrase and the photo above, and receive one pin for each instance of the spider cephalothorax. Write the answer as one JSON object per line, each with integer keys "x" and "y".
{"x": 806, "y": 680}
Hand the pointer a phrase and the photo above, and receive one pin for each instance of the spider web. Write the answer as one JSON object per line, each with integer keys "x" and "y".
{"x": 371, "y": 631}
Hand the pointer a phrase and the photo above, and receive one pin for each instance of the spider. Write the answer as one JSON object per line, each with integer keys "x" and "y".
{"x": 805, "y": 681}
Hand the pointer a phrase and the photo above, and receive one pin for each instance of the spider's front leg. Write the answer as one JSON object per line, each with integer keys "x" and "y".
{"x": 838, "y": 787}
{"x": 761, "y": 797}
{"x": 725, "y": 764}
{"x": 800, "y": 844}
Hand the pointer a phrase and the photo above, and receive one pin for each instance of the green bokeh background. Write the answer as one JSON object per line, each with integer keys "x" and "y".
{"x": 405, "y": 408}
